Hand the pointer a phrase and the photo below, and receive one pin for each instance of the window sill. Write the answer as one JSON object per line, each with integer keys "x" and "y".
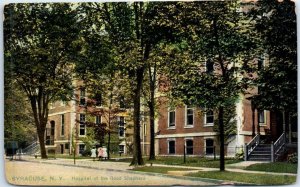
{"x": 262, "y": 124}
{"x": 209, "y": 125}
{"x": 171, "y": 128}
{"x": 188, "y": 126}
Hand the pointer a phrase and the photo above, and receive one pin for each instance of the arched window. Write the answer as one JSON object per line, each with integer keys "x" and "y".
{"x": 52, "y": 131}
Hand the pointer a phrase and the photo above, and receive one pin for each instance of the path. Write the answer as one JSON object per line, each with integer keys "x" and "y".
{"x": 61, "y": 173}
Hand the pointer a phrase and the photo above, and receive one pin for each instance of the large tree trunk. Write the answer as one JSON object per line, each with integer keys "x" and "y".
{"x": 137, "y": 153}
{"x": 108, "y": 145}
{"x": 151, "y": 105}
{"x": 41, "y": 135}
{"x": 152, "y": 130}
{"x": 109, "y": 123}
{"x": 221, "y": 131}
{"x": 40, "y": 119}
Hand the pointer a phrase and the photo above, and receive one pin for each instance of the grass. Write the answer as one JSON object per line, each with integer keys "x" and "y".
{"x": 259, "y": 179}
{"x": 190, "y": 161}
{"x": 280, "y": 167}
{"x": 156, "y": 169}
{"x": 67, "y": 156}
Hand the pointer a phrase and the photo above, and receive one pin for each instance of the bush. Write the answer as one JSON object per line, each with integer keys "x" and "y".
{"x": 292, "y": 158}
{"x": 239, "y": 154}
{"x": 86, "y": 152}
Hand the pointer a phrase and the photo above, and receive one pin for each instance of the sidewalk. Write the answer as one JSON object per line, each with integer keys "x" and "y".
{"x": 86, "y": 163}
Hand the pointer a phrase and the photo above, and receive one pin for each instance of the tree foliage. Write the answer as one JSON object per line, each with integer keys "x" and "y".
{"x": 206, "y": 68}
{"x": 18, "y": 121}
{"x": 40, "y": 44}
{"x": 275, "y": 23}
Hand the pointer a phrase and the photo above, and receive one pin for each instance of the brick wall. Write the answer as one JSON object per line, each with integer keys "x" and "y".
{"x": 180, "y": 113}
{"x": 198, "y": 145}
{"x": 247, "y": 115}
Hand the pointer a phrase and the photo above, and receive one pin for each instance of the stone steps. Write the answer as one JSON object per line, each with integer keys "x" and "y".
{"x": 261, "y": 153}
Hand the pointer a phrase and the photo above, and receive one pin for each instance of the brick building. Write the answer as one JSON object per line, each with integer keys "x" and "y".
{"x": 190, "y": 129}
{"x": 67, "y": 119}
{"x": 185, "y": 129}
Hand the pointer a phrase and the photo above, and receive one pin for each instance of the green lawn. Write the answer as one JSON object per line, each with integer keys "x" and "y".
{"x": 68, "y": 156}
{"x": 156, "y": 169}
{"x": 280, "y": 167}
{"x": 190, "y": 161}
{"x": 260, "y": 179}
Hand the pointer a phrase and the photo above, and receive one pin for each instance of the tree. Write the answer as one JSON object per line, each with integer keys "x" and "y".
{"x": 124, "y": 24}
{"x": 229, "y": 121}
{"x": 161, "y": 30}
{"x": 132, "y": 35}
{"x": 111, "y": 125}
{"x": 277, "y": 80}
{"x": 206, "y": 65}
{"x": 40, "y": 45}
{"x": 156, "y": 66}
{"x": 18, "y": 121}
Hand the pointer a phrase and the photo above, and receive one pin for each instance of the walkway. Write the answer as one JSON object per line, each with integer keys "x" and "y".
{"x": 40, "y": 174}
{"x": 86, "y": 171}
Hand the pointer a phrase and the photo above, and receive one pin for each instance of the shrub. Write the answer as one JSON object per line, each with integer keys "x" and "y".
{"x": 86, "y": 152}
{"x": 292, "y": 158}
{"x": 239, "y": 154}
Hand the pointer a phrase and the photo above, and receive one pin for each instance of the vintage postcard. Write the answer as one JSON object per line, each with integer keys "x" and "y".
{"x": 157, "y": 93}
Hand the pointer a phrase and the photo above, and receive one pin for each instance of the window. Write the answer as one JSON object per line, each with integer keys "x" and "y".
{"x": 260, "y": 64}
{"x": 145, "y": 129}
{"x": 121, "y": 126}
{"x": 52, "y": 132}
{"x": 82, "y": 125}
{"x": 67, "y": 146}
{"x": 82, "y": 96}
{"x": 81, "y": 148}
{"x": 98, "y": 120}
{"x": 261, "y": 117}
{"x": 62, "y": 149}
{"x": 172, "y": 118}
{"x": 98, "y": 99}
{"x": 209, "y": 118}
{"x": 189, "y": 147}
{"x": 209, "y": 65}
{"x": 121, "y": 148}
{"x": 122, "y": 102}
{"x": 62, "y": 125}
{"x": 171, "y": 146}
{"x": 209, "y": 149}
{"x": 189, "y": 116}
